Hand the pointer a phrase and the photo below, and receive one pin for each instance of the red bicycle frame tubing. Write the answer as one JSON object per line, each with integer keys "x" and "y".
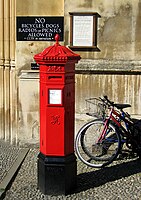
{"x": 113, "y": 118}
{"x": 107, "y": 122}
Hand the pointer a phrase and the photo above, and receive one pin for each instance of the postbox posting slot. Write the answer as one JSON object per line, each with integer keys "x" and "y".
{"x": 54, "y": 77}
{"x": 55, "y": 96}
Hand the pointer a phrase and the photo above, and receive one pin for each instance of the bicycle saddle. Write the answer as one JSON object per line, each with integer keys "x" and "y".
{"x": 121, "y": 106}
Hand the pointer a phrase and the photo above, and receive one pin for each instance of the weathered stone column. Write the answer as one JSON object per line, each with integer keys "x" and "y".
{"x": 1, "y": 69}
{"x": 13, "y": 79}
{"x": 1, "y": 32}
{"x": 12, "y": 33}
{"x": 7, "y": 68}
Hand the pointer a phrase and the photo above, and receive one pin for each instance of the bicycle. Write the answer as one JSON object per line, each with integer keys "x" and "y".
{"x": 99, "y": 142}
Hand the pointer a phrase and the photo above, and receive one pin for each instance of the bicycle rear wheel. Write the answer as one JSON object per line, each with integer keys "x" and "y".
{"x": 95, "y": 152}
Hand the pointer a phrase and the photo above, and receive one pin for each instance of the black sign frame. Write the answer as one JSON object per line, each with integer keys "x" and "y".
{"x": 83, "y": 40}
{"x": 39, "y": 28}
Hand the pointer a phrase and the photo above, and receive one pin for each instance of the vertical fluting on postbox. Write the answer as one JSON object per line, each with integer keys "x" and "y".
{"x": 57, "y": 167}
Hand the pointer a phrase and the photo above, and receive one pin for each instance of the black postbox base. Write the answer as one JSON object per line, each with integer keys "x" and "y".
{"x": 57, "y": 175}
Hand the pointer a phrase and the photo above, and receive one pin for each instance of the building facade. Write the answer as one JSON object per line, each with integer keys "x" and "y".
{"x": 112, "y": 68}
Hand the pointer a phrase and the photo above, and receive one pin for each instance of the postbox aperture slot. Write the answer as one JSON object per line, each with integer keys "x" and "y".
{"x": 54, "y": 77}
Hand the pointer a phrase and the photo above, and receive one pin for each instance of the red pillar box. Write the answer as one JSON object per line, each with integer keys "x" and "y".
{"x": 56, "y": 161}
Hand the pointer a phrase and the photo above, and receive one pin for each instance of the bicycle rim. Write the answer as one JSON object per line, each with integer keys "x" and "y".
{"x": 93, "y": 152}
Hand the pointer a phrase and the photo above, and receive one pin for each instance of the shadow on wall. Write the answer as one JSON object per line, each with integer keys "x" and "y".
{"x": 119, "y": 88}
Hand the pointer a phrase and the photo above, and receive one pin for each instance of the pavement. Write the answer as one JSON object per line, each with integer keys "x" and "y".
{"x": 120, "y": 180}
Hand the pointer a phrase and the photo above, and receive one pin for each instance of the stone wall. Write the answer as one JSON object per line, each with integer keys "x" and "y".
{"x": 25, "y": 50}
{"x": 115, "y": 69}
{"x": 28, "y": 107}
{"x": 121, "y": 88}
{"x": 119, "y": 30}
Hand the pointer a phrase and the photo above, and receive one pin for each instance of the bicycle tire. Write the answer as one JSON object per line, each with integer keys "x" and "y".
{"x": 87, "y": 148}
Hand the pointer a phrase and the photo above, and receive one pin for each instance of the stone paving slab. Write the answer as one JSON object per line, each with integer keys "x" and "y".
{"x": 11, "y": 157}
{"x": 120, "y": 180}
{"x": 8, "y": 155}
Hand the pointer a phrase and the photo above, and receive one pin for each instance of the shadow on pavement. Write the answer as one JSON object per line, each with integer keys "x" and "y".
{"x": 97, "y": 178}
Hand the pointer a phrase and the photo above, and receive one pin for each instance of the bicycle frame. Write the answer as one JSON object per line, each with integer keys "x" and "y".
{"x": 112, "y": 117}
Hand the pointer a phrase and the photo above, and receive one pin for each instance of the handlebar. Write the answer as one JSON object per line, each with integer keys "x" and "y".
{"x": 111, "y": 103}
{"x": 107, "y": 102}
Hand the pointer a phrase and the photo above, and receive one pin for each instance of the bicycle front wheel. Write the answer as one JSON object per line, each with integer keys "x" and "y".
{"x": 97, "y": 148}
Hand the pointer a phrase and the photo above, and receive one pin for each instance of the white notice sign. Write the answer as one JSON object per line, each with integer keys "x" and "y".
{"x": 82, "y": 30}
{"x": 55, "y": 96}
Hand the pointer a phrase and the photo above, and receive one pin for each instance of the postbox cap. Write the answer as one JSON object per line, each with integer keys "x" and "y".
{"x": 56, "y": 54}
